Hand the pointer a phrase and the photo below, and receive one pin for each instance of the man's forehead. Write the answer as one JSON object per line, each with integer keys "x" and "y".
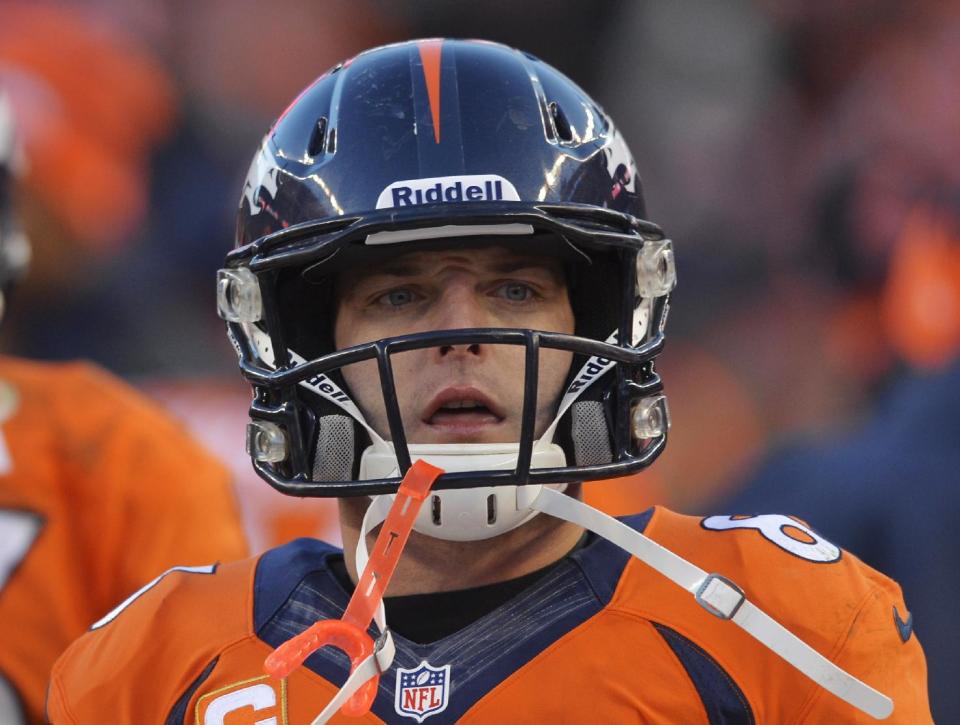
{"x": 493, "y": 258}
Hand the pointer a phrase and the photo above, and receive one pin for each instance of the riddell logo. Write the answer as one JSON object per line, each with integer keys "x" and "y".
{"x": 447, "y": 190}
{"x": 595, "y": 366}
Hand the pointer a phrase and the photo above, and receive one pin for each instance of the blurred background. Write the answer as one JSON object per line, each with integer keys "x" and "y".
{"x": 805, "y": 158}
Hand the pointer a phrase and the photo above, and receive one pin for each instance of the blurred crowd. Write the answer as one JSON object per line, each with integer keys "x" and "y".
{"x": 805, "y": 158}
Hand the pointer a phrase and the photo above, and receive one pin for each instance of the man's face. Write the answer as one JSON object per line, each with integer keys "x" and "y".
{"x": 462, "y": 393}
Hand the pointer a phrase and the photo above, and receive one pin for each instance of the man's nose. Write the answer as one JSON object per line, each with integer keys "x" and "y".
{"x": 460, "y": 309}
{"x": 457, "y": 350}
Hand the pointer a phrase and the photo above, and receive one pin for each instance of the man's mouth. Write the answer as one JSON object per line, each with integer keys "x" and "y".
{"x": 461, "y": 408}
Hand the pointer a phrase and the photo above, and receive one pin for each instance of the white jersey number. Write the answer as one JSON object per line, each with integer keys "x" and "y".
{"x": 787, "y": 533}
{"x": 259, "y": 697}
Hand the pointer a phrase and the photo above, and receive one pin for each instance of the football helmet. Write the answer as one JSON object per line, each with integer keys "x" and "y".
{"x": 445, "y": 142}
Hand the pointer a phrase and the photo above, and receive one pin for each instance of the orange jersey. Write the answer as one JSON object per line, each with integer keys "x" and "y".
{"x": 599, "y": 638}
{"x": 99, "y": 492}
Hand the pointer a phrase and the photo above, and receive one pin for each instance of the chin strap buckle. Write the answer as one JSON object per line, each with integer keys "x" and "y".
{"x": 720, "y": 596}
{"x": 384, "y": 650}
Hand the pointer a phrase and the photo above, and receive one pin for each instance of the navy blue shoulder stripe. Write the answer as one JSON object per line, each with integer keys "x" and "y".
{"x": 281, "y": 570}
{"x": 722, "y": 697}
{"x": 179, "y": 711}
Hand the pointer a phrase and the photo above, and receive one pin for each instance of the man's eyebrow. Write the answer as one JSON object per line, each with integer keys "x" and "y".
{"x": 515, "y": 265}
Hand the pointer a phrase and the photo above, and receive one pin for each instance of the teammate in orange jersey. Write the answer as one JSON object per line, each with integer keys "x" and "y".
{"x": 442, "y": 256}
{"x": 99, "y": 493}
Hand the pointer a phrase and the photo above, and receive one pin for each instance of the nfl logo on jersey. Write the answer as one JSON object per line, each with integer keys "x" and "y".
{"x": 422, "y": 691}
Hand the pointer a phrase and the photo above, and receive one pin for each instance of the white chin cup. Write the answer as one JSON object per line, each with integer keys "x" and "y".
{"x": 468, "y": 514}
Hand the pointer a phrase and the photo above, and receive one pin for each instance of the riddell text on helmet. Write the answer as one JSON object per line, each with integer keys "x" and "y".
{"x": 447, "y": 190}
{"x": 594, "y": 367}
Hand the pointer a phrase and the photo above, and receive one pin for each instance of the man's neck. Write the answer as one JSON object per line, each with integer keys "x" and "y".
{"x": 434, "y": 565}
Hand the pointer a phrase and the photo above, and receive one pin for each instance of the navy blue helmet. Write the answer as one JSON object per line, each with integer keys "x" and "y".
{"x": 437, "y": 143}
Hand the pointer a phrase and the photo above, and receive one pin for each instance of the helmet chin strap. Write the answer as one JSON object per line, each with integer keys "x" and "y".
{"x": 719, "y": 596}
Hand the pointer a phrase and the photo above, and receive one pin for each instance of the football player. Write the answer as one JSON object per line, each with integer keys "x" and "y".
{"x": 444, "y": 276}
{"x": 99, "y": 493}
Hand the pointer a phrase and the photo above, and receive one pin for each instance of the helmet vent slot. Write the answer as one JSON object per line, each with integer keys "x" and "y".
{"x": 332, "y": 141}
{"x": 560, "y": 122}
{"x": 435, "y": 514}
{"x": 491, "y": 509}
{"x": 318, "y": 138}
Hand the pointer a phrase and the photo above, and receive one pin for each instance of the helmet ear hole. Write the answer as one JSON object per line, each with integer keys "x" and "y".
{"x": 590, "y": 434}
{"x": 336, "y": 450}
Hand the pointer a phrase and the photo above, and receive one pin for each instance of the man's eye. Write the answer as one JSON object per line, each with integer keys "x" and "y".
{"x": 396, "y": 298}
{"x": 516, "y": 292}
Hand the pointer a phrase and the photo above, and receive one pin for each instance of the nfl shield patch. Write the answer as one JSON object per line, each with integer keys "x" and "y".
{"x": 422, "y": 691}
